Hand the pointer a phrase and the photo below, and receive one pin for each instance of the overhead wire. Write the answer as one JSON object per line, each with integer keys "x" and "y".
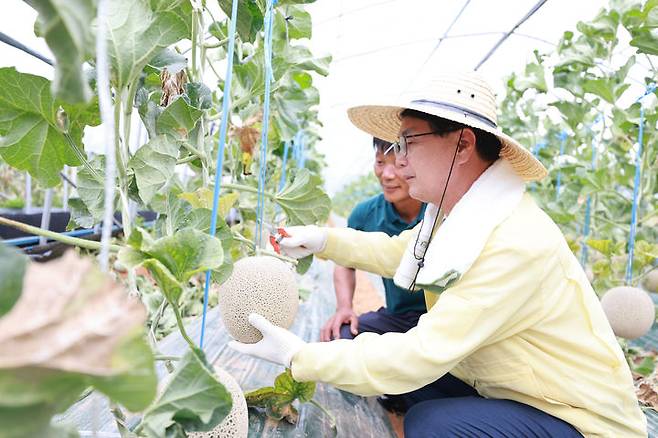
{"x": 20, "y": 46}
{"x": 529, "y": 14}
{"x": 438, "y": 44}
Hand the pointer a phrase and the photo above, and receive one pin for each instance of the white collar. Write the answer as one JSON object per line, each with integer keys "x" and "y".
{"x": 461, "y": 237}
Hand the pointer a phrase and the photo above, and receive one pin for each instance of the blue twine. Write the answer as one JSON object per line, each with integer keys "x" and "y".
{"x": 269, "y": 77}
{"x": 282, "y": 181}
{"x": 220, "y": 153}
{"x": 300, "y": 156}
{"x": 588, "y": 205}
{"x": 636, "y": 187}
{"x": 563, "y": 142}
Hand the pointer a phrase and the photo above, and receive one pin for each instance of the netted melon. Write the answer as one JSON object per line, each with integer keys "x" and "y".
{"x": 236, "y": 423}
{"x": 650, "y": 282}
{"x": 630, "y": 311}
{"x": 264, "y": 285}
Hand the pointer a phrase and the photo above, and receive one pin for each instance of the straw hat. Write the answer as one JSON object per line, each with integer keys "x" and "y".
{"x": 461, "y": 97}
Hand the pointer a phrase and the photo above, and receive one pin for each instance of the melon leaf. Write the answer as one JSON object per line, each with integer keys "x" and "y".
{"x": 303, "y": 200}
{"x": 45, "y": 366}
{"x": 193, "y": 400}
{"x": 277, "y": 400}
{"x": 12, "y": 270}
{"x": 31, "y": 136}
{"x": 65, "y": 27}
{"x": 154, "y": 165}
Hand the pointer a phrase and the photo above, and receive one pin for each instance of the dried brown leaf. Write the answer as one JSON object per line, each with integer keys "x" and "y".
{"x": 70, "y": 317}
{"x": 172, "y": 85}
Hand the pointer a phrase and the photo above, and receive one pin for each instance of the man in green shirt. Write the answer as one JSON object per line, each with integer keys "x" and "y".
{"x": 391, "y": 212}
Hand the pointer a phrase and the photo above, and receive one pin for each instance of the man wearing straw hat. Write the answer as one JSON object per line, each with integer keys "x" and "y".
{"x": 515, "y": 342}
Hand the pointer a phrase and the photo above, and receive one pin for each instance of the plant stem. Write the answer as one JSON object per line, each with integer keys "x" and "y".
{"x": 181, "y": 327}
{"x": 332, "y": 419}
{"x": 215, "y": 45}
{"x": 187, "y": 159}
{"x": 164, "y": 357}
{"x": 195, "y": 42}
{"x": 260, "y": 251}
{"x": 122, "y": 162}
{"x": 127, "y": 115}
{"x": 82, "y": 158}
{"x": 608, "y": 221}
{"x": 154, "y": 324}
{"x": 82, "y": 243}
{"x": 247, "y": 189}
{"x": 240, "y": 238}
{"x": 212, "y": 67}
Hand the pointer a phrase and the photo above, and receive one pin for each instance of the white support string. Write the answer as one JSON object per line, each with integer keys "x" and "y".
{"x": 107, "y": 118}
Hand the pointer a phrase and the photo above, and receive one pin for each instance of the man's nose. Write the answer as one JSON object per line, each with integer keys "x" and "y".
{"x": 388, "y": 171}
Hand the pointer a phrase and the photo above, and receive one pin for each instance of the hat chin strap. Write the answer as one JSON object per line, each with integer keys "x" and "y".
{"x": 424, "y": 236}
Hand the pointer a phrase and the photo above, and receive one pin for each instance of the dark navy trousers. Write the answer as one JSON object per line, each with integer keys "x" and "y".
{"x": 382, "y": 321}
{"x": 449, "y": 407}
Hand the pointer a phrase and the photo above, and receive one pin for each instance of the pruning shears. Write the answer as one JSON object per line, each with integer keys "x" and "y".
{"x": 275, "y": 238}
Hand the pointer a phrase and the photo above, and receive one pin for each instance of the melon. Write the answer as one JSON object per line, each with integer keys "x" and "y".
{"x": 236, "y": 423}
{"x": 264, "y": 285}
{"x": 650, "y": 281}
{"x": 630, "y": 311}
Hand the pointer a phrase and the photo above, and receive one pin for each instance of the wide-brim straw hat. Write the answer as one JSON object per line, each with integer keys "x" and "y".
{"x": 461, "y": 97}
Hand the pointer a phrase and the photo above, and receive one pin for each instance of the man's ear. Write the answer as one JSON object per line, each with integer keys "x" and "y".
{"x": 466, "y": 146}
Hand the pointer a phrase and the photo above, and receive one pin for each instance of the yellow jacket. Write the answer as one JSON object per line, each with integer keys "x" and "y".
{"x": 523, "y": 323}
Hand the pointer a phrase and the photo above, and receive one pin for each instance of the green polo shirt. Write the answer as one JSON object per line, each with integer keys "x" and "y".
{"x": 377, "y": 214}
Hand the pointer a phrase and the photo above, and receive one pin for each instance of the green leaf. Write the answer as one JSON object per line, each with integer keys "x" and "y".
{"x": 296, "y": 20}
{"x": 148, "y": 106}
{"x": 646, "y": 41}
{"x": 286, "y": 384}
{"x": 304, "y": 264}
{"x": 603, "y": 26}
{"x": 65, "y": 25}
{"x": 250, "y": 18}
{"x": 187, "y": 252}
{"x": 534, "y": 78}
{"x": 138, "y": 30}
{"x": 572, "y": 113}
{"x": 91, "y": 189}
{"x": 604, "y": 246}
{"x": 30, "y": 138}
{"x": 171, "y": 288}
{"x": 302, "y": 58}
{"x": 303, "y": 79}
{"x": 167, "y": 58}
{"x": 294, "y": 2}
{"x": 154, "y": 165}
{"x": 645, "y": 367}
{"x": 303, "y": 200}
{"x": 198, "y": 95}
{"x": 80, "y": 215}
{"x": 12, "y": 270}
{"x": 40, "y": 376}
{"x": 193, "y": 398}
{"x": 172, "y": 260}
{"x": 178, "y": 119}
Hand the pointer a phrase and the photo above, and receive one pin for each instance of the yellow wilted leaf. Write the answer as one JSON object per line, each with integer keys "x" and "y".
{"x": 201, "y": 198}
{"x": 226, "y": 202}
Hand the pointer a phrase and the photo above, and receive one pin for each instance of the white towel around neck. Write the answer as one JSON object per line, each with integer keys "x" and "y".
{"x": 459, "y": 240}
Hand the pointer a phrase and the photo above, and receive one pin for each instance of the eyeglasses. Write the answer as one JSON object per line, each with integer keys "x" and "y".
{"x": 400, "y": 147}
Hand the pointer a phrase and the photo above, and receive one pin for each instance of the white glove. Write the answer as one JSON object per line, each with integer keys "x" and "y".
{"x": 278, "y": 344}
{"x": 304, "y": 240}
